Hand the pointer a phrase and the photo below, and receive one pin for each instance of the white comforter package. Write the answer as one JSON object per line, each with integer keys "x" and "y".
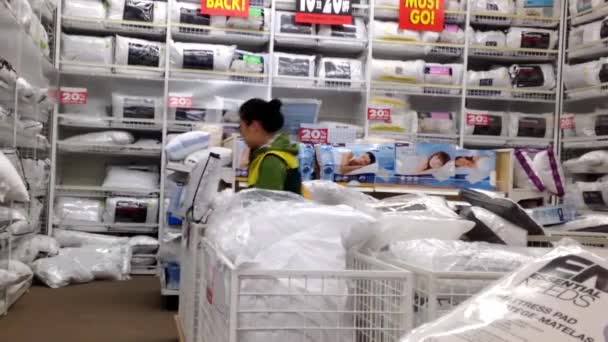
{"x": 487, "y": 38}
{"x": 136, "y": 107}
{"x": 480, "y": 122}
{"x": 531, "y": 38}
{"x": 79, "y": 209}
{"x": 12, "y": 187}
{"x": 445, "y": 74}
{"x": 590, "y": 162}
{"x": 72, "y": 238}
{"x": 96, "y": 52}
{"x": 136, "y": 177}
{"x": 531, "y": 125}
{"x": 141, "y": 57}
{"x": 101, "y": 138}
{"x": 196, "y": 56}
{"x": 339, "y": 71}
{"x": 532, "y": 76}
{"x": 151, "y": 12}
{"x": 142, "y": 244}
{"x": 497, "y": 78}
{"x": 355, "y": 33}
{"x": 285, "y": 27}
{"x": 292, "y": 65}
{"x": 398, "y": 71}
{"x": 131, "y": 210}
{"x": 84, "y": 264}
{"x": 202, "y": 156}
{"x": 141, "y": 261}
{"x": 489, "y": 7}
{"x": 184, "y": 144}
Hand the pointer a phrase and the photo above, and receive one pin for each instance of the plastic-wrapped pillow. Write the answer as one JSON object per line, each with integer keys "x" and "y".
{"x": 581, "y": 76}
{"x": 141, "y": 261}
{"x": 285, "y": 23}
{"x": 355, "y": 33}
{"x": 188, "y": 13}
{"x": 184, "y": 144}
{"x": 94, "y": 10}
{"x": 390, "y": 30}
{"x": 590, "y": 221}
{"x": 532, "y": 76}
{"x": 40, "y": 36}
{"x": 398, "y": 71}
{"x": 547, "y": 9}
{"x": 142, "y": 244}
{"x": 487, "y": 38}
{"x": 256, "y": 21}
{"x": 338, "y": 70}
{"x": 152, "y": 12}
{"x": 436, "y": 122}
{"x": 588, "y": 33}
{"x": 479, "y": 122}
{"x": 591, "y": 124}
{"x": 78, "y": 209}
{"x": 142, "y": 55}
{"x": 496, "y": 77}
{"x": 7, "y": 73}
{"x": 170, "y": 248}
{"x": 492, "y": 228}
{"x": 102, "y": 138}
{"x": 13, "y": 220}
{"x": 531, "y": 125}
{"x": 96, "y": 52}
{"x": 401, "y": 120}
{"x": 292, "y": 65}
{"x": 445, "y": 74}
{"x": 136, "y": 107}
{"x": 131, "y": 210}
{"x": 550, "y": 171}
{"x": 531, "y": 38}
{"x": 525, "y": 175}
{"x": 590, "y": 162}
{"x": 134, "y": 176}
{"x": 72, "y": 238}
{"x": 201, "y": 56}
{"x": 588, "y": 195}
{"x": 12, "y": 187}
{"x": 452, "y": 34}
{"x": 202, "y": 155}
{"x": 492, "y": 11}
{"x": 249, "y": 62}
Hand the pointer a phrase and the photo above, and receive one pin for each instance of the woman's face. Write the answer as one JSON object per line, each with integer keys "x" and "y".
{"x": 251, "y": 134}
{"x": 464, "y": 162}
{"x": 362, "y": 160}
{"x": 435, "y": 162}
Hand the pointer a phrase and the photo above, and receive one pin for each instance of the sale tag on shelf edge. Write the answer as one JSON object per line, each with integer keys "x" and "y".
{"x": 379, "y": 114}
{"x": 180, "y": 100}
{"x": 314, "y": 135}
{"x": 478, "y": 120}
{"x": 69, "y": 95}
{"x": 422, "y": 15}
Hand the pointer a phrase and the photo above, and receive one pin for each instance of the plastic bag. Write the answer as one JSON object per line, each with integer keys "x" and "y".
{"x": 184, "y": 144}
{"x": 331, "y": 193}
{"x": 72, "y": 238}
{"x": 142, "y": 244}
{"x": 105, "y": 137}
{"x": 78, "y": 209}
{"x": 201, "y": 56}
{"x": 136, "y": 177}
{"x": 492, "y": 228}
{"x": 97, "y": 51}
{"x": 139, "y": 54}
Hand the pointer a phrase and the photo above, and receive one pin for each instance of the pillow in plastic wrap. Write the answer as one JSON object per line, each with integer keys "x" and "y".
{"x": 136, "y": 107}
{"x": 13, "y": 272}
{"x": 588, "y": 33}
{"x": 452, "y": 34}
{"x": 285, "y": 23}
{"x": 444, "y": 74}
{"x": 497, "y": 77}
{"x": 202, "y": 155}
{"x": 257, "y": 20}
{"x": 522, "y": 298}
{"x": 436, "y": 122}
{"x": 142, "y": 244}
{"x": 40, "y": 36}
{"x": 398, "y": 71}
{"x": 532, "y": 76}
{"x": 503, "y": 207}
{"x": 12, "y": 187}
{"x": 142, "y": 55}
{"x": 531, "y": 38}
{"x": 249, "y": 62}
{"x": 171, "y": 246}
{"x": 590, "y": 162}
{"x": 390, "y": 30}
{"x": 201, "y": 56}
{"x": 353, "y": 31}
{"x": 589, "y": 221}
{"x": 492, "y": 228}
{"x": 101, "y": 138}
{"x": 188, "y": 13}
{"x": 292, "y": 65}
{"x": 7, "y": 73}
{"x": 591, "y": 124}
{"x": 550, "y": 171}
{"x": 93, "y": 10}
{"x": 72, "y": 238}
{"x": 33, "y": 211}
{"x": 152, "y": 12}
{"x": 492, "y": 11}
{"x": 7, "y": 279}
{"x": 138, "y": 177}
{"x": 184, "y": 144}
{"x": 588, "y": 196}
{"x": 547, "y": 9}
{"x": 525, "y": 175}
{"x": 22, "y": 11}
{"x": 85, "y": 264}
{"x": 434, "y": 206}
{"x": 131, "y": 210}
{"x": 28, "y": 248}
{"x": 141, "y": 261}
{"x": 479, "y": 122}
{"x": 331, "y": 193}
{"x": 96, "y": 51}
{"x": 14, "y": 221}
{"x": 79, "y": 209}
{"x": 401, "y": 120}
{"x": 584, "y": 75}
{"x": 338, "y": 70}
{"x": 531, "y": 125}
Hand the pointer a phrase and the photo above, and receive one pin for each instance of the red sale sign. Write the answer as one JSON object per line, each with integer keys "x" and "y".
{"x": 230, "y": 8}
{"x": 478, "y": 120}
{"x": 422, "y": 15}
{"x": 379, "y": 114}
{"x": 314, "y": 135}
{"x": 180, "y": 101}
{"x": 73, "y": 95}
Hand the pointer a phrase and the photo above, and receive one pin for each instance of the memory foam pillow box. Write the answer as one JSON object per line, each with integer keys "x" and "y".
{"x": 131, "y": 210}
{"x": 292, "y": 65}
{"x": 195, "y": 56}
{"x": 340, "y": 70}
{"x": 184, "y": 144}
{"x": 531, "y": 125}
{"x": 479, "y": 122}
{"x": 97, "y": 51}
{"x": 136, "y": 107}
{"x": 286, "y": 24}
{"x": 143, "y": 55}
{"x": 153, "y": 12}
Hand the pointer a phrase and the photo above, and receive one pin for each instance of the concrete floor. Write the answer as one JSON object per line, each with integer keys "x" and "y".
{"x": 101, "y": 311}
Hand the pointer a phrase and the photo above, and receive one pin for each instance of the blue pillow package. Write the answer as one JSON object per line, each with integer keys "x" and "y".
{"x": 306, "y": 159}
{"x": 356, "y": 163}
{"x": 424, "y": 164}
{"x": 475, "y": 169}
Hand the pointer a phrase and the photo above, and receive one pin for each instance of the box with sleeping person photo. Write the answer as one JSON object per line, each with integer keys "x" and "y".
{"x": 424, "y": 164}
{"x": 475, "y": 169}
{"x": 356, "y": 163}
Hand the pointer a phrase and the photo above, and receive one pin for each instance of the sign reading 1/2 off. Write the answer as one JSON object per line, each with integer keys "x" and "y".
{"x": 422, "y": 15}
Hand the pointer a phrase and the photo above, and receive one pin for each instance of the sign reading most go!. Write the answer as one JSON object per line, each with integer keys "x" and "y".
{"x": 422, "y": 15}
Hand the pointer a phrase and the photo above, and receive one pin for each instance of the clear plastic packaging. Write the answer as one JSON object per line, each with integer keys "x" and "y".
{"x": 492, "y": 228}
{"x": 531, "y": 38}
{"x": 292, "y": 65}
{"x": 96, "y": 51}
{"x": 437, "y": 122}
{"x": 196, "y": 56}
{"x": 136, "y": 107}
{"x": 131, "y": 210}
{"x": 78, "y": 209}
{"x": 496, "y": 39}
{"x": 479, "y": 122}
{"x": 72, "y": 238}
{"x": 351, "y": 32}
{"x": 132, "y": 177}
{"x": 533, "y": 76}
{"x": 590, "y": 162}
{"x": 152, "y": 12}
{"x": 184, "y": 144}
{"x": 531, "y": 125}
{"x": 142, "y": 55}
{"x": 142, "y": 244}
{"x": 445, "y": 74}
{"x": 496, "y": 77}
{"x": 398, "y": 71}
{"x": 202, "y": 155}
{"x": 334, "y": 71}
{"x": 12, "y": 187}
{"x": 102, "y": 138}
{"x": 285, "y": 25}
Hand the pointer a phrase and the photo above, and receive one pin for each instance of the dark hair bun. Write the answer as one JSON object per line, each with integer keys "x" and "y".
{"x": 275, "y": 105}
{"x": 267, "y": 113}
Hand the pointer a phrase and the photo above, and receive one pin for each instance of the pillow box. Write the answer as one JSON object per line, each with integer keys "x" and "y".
{"x": 547, "y": 9}
{"x": 202, "y": 155}
{"x": 248, "y": 62}
{"x": 590, "y": 162}
{"x": 209, "y": 110}
{"x": 487, "y": 38}
{"x": 136, "y": 107}
{"x": 204, "y": 57}
{"x": 133, "y": 176}
{"x": 306, "y": 160}
{"x": 496, "y": 78}
{"x": 550, "y": 171}
{"x": 479, "y": 122}
{"x": 444, "y": 74}
{"x": 184, "y": 144}
{"x": 356, "y": 163}
{"x": 493, "y": 11}
{"x": 492, "y": 228}
{"x": 398, "y": 71}
{"x": 532, "y": 76}
{"x": 101, "y": 138}
{"x": 96, "y": 51}
{"x": 531, "y": 125}
{"x": 525, "y": 175}
{"x": 78, "y": 209}
{"x": 531, "y": 38}
{"x": 335, "y": 71}
{"x": 356, "y": 33}
{"x": 424, "y": 164}
{"x": 145, "y": 11}
{"x": 292, "y": 65}
{"x": 187, "y": 13}
{"x": 142, "y": 55}
{"x": 12, "y": 187}
{"x": 285, "y": 24}
{"x": 588, "y": 196}
{"x": 131, "y": 210}
{"x": 401, "y": 119}
{"x": 475, "y": 169}
{"x": 436, "y": 122}
{"x": 503, "y": 207}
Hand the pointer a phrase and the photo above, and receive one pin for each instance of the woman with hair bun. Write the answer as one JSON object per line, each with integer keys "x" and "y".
{"x": 273, "y": 161}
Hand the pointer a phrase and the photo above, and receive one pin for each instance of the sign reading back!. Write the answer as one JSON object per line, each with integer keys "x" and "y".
{"x": 230, "y": 8}
{"x": 422, "y": 15}
{"x": 326, "y": 12}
